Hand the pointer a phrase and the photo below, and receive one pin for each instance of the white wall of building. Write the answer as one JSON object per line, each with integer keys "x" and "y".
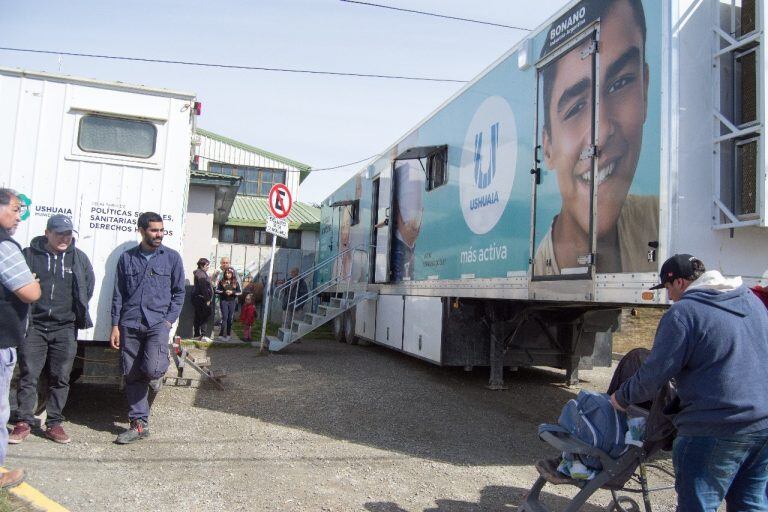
{"x": 199, "y": 241}
{"x": 309, "y": 240}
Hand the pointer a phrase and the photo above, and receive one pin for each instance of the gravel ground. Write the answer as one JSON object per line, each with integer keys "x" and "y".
{"x": 322, "y": 426}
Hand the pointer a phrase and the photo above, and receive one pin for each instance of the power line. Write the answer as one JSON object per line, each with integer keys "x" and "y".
{"x": 343, "y": 165}
{"x": 310, "y": 171}
{"x": 457, "y": 18}
{"x": 234, "y": 66}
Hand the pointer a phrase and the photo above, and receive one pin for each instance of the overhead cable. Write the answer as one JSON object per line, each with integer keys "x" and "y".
{"x": 234, "y": 66}
{"x": 457, "y": 18}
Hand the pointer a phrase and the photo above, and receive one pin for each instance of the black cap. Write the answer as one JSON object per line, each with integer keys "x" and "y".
{"x": 678, "y": 266}
{"x": 59, "y": 224}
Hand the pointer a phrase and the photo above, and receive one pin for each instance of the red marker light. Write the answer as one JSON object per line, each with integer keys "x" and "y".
{"x": 198, "y": 108}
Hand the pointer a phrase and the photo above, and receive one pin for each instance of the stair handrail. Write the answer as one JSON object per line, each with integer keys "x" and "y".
{"x": 335, "y": 280}
{"x": 279, "y": 289}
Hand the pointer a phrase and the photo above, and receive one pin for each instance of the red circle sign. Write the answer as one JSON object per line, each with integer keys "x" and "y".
{"x": 280, "y": 201}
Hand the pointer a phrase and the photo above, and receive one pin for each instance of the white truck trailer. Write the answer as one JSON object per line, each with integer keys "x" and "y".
{"x": 510, "y": 226}
{"x": 102, "y": 153}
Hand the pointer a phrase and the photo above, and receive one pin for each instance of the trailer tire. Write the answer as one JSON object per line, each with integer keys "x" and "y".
{"x": 338, "y": 328}
{"x": 349, "y": 327}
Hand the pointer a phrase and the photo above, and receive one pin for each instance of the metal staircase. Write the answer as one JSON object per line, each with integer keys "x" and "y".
{"x": 345, "y": 294}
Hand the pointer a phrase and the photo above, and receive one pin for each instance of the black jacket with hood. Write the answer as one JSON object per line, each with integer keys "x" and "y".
{"x": 51, "y": 269}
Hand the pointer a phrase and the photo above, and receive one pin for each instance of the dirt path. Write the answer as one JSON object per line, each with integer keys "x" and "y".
{"x": 322, "y": 426}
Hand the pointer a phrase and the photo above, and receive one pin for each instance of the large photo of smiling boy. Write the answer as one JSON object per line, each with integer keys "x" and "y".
{"x": 627, "y": 193}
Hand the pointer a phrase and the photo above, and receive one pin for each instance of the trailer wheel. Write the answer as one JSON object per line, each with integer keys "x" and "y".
{"x": 349, "y": 327}
{"x": 338, "y": 328}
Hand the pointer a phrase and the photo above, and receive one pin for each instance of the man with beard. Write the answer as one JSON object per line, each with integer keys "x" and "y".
{"x": 625, "y": 223}
{"x": 148, "y": 296}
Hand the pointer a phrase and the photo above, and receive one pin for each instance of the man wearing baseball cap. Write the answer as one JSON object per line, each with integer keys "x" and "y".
{"x": 714, "y": 342}
{"x": 67, "y": 282}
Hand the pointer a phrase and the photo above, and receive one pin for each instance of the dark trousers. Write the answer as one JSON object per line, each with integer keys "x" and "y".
{"x": 58, "y": 348}
{"x": 144, "y": 357}
{"x": 202, "y": 314}
{"x": 227, "y": 315}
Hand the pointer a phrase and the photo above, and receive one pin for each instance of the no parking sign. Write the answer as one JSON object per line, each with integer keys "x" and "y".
{"x": 280, "y": 201}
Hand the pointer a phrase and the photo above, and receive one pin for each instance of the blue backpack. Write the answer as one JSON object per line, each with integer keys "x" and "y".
{"x": 591, "y": 418}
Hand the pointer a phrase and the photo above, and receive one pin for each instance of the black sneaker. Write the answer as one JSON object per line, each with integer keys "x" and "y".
{"x": 139, "y": 430}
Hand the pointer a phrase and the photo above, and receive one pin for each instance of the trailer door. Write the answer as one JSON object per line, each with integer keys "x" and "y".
{"x": 563, "y": 220}
{"x": 383, "y": 228}
{"x": 325, "y": 243}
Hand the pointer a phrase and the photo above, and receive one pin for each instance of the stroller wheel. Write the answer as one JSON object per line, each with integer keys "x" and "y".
{"x": 623, "y": 504}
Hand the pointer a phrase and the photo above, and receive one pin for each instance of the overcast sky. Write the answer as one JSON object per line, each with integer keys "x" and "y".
{"x": 322, "y": 121}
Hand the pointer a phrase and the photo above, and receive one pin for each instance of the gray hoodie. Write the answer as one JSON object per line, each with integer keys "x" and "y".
{"x": 714, "y": 343}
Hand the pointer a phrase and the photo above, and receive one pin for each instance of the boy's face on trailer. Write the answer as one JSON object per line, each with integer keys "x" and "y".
{"x": 622, "y": 111}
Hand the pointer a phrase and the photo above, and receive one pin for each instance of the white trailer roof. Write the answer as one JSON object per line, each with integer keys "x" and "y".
{"x": 122, "y": 86}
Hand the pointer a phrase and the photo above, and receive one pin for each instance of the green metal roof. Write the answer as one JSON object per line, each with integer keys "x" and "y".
{"x": 253, "y": 211}
{"x": 212, "y": 178}
{"x": 304, "y": 168}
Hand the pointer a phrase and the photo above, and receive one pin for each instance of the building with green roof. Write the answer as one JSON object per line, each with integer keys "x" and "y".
{"x": 228, "y": 192}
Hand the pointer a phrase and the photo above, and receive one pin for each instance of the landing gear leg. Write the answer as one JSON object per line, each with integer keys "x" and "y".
{"x": 572, "y": 372}
{"x": 496, "y": 382}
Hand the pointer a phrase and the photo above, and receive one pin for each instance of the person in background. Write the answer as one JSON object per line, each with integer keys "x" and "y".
{"x": 67, "y": 282}
{"x": 297, "y": 292}
{"x": 247, "y": 316}
{"x": 202, "y": 293}
{"x": 714, "y": 342}
{"x": 246, "y": 289}
{"x": 215, "y": 278}
{"x": 18, "y": 289}
{"x": 227, "y": 290}
{"x": 149, "y": 293}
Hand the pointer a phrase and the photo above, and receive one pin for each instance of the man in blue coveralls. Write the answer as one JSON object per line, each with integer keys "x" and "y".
{"x": 149, "y": 294}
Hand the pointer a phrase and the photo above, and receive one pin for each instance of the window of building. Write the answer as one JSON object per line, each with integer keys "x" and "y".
{"x": 117, "y": 136}
{"x": 257, "y": 236}
{"x": 256, "y": 180}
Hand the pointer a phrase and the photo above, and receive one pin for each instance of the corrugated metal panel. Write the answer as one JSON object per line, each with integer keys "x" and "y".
{"x": 253, "y": 211}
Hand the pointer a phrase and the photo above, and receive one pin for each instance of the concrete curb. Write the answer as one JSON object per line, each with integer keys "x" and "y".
{"x": 33, "y": 497}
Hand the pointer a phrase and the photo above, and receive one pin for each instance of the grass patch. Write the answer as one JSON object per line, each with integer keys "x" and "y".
{"x": 11, "y": 503}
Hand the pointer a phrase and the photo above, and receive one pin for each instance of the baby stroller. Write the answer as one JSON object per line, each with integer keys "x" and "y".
{"x": 617, "y": 473}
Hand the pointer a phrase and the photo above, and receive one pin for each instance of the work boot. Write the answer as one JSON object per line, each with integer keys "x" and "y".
{"x": 56, "y": 434}
{"x": 20, "y": 432}
{"x": 139, "y": 430}
{"x": 11, "y": 478}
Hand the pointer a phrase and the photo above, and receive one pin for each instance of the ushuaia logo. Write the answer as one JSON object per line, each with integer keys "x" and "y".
{"x": 488, "y": 164}
{"x": 484, "y": 178}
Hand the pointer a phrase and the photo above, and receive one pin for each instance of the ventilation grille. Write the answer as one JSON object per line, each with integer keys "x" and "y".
{"x": 747, "y": 65}
{"x": 748, "y": 17}
{"x": 746, "y": 169}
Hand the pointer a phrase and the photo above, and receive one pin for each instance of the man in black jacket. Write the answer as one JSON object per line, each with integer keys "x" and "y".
{"x": 67, "y": 281}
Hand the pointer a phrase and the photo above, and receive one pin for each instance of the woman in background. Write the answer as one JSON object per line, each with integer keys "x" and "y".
{"x": 228, "y": 290}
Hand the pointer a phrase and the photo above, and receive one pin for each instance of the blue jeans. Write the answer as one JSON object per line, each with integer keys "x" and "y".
{"x": 710, "y": 469}
{"x": 7, "y": 362}
{"x": 144, "y": 357}
{"x": 227, "y": 315}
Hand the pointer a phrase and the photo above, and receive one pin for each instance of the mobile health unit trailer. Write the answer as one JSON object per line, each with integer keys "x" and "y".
{"x": 511, "y": 225}
{"x": 101, "y": 153}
